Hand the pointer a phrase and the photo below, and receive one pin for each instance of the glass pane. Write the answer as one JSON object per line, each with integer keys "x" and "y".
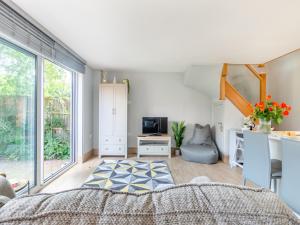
{"x": 245, "y": 82}
{"x": 57, "y": 118}
{"x": 17, "y": 113}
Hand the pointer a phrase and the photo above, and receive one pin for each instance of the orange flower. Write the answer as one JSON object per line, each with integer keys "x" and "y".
{"x": 268, "y": 97}
{"x": 289, "y": 108}
{"x": 283, "y": 105}
{"x": 286, "y": 113}
{"x": 275, "y": 104}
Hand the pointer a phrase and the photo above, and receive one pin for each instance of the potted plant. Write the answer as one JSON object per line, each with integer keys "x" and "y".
{"x": 270, "y": 111}
{"x": 57, "y": 125}
{"x": 178, "y": 129}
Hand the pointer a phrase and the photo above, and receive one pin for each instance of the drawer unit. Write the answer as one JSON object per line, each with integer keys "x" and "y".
{"x": 161, "y": 149}
{"x": 120, "y": 140}
{"x": 120, "y": 149}
{"x": 107, "y": 140}
{"x": 107, "y": 149}
{"x": 154, "y": 145}
{"x": 144, "y": 149}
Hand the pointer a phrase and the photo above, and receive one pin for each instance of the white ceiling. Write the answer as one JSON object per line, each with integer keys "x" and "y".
{"x": 170, "y": 35}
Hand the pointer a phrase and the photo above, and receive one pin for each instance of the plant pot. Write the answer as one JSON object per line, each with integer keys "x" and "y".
{"x": 265, "y": 126}
{"x": 57, "y": 131}
{"x": 177, "y": 152}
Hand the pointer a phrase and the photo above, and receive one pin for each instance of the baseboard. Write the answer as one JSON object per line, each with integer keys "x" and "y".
{"x": 87, "y": 155}
{"x": 225, "y": 158}
{"x": 96, "y": 152}
{"x": 132, "y": 150}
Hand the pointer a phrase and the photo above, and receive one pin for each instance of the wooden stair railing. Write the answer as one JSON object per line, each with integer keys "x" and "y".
{"x": 228, "y": 91}
{"x": 237, "y": 99}
{"x": 262, "y": 82}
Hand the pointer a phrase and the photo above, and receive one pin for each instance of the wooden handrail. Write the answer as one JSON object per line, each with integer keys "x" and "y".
{"x": 222, "y": 81}
{"x": 254, "y": 72}
{"x": 229, "y": 92}
{"x": 237, "y": 99}
{"x": 262, "y": 82}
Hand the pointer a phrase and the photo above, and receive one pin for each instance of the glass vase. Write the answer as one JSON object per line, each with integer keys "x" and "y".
{"x": 265, "y": 126}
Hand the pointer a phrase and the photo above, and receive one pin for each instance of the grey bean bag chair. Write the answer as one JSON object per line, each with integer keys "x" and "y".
{"x": 200, "y": 148}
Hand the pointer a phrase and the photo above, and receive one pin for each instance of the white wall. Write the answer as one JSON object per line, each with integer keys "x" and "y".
{"x": 283, "y": 82}
{"x": 204, "y": 78}
{"x": 230, "y": 118}
{"x": 87, "y": 80}
{"x": 159, "y": 94}
{"x": 95, "y": 89}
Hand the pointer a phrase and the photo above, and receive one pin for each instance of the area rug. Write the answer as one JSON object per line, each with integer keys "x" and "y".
{"x": 131, "y": 176}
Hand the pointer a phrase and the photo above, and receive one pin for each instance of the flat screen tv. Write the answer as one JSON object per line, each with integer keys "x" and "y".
{"x": 155, "y": 125}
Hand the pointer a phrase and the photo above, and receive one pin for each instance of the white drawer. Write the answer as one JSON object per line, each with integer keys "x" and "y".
{"x": 162, "y": 149}
{"x": 107, "y": 140}
{"x": 120, "y": 149}
{"x": 154, "y": 150}
{"x": 108, "y": 149}
{"x": 145, "y": 149}
{"x": 120, "y": 140}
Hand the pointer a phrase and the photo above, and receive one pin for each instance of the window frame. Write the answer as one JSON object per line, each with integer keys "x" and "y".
{"x": 30, "y": 54}
{"x": 72, "y": 120}
{"x": 39, "y": 181}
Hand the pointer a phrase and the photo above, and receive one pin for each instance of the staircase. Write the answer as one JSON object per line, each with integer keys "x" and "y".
{"x": 231, "y": 92}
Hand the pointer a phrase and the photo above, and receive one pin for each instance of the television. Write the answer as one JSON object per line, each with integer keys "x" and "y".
{"x": 155, "y": 125}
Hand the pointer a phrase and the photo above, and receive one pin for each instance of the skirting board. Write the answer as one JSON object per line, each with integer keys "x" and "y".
{"x": 88, "y": 155}
{"x": 225, "y": 158}
{"x": 132, "y": 150}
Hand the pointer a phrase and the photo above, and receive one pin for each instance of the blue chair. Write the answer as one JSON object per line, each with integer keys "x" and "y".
{"x": 290, "y": 183}
{"x": 258, "y": 165}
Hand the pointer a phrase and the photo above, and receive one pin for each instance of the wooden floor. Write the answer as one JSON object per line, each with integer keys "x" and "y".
{"x": 181, "y": 170}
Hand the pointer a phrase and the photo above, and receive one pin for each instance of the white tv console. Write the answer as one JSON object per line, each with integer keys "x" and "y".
{"x": 154, "y": 145}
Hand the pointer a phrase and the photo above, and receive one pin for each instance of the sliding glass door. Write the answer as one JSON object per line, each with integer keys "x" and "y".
{"x": 37, "y": 116}
{"x": 17, "y": 113}
{"x": 58, "y": 117}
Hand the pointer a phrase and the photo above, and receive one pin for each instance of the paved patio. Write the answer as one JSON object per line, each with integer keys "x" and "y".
{"x": 25, "y": 169}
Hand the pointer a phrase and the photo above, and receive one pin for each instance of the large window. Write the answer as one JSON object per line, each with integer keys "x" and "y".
{"x": 57, "y": 118}
{"x": 17, "y": 113}
{"x": 37, "y": 116}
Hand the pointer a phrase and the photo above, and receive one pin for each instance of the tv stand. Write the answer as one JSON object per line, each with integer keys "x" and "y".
{"x": 154, "y": 145}
{"x": 156, "y": 134}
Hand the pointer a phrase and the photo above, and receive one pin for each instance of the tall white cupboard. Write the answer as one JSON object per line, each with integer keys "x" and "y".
{"x": 113, "y": 120}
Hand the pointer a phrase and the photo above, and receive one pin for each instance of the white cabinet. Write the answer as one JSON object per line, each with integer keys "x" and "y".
{"x": 113, "y": 119}
{"x": 154, "y": 145}
{"x": 236, "y": 148}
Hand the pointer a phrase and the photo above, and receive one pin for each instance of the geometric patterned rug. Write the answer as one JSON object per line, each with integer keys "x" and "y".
{"x": 131, "y": 176}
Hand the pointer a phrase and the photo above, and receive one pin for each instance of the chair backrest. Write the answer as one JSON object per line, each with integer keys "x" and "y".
{"x": 257, "y": 161}
{"x": 290, "y": 181}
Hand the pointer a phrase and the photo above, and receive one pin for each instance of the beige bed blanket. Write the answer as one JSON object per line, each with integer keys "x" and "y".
{"x": 184, "y": 204}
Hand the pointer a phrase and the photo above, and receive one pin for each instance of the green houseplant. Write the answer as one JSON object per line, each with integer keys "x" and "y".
{"x": 178, "y": 129}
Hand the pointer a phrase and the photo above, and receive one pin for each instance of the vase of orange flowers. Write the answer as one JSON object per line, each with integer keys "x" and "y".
{"x": 270, "y": 111}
